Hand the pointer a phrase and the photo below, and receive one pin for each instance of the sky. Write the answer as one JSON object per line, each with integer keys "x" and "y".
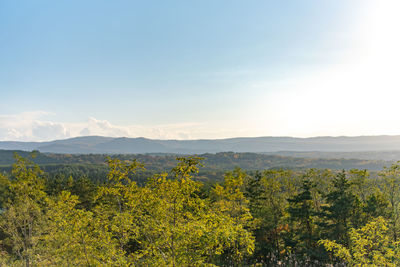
{"x": 198, "y": 69}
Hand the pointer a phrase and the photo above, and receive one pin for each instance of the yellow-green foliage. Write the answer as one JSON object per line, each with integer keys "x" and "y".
{"x": 273, "y": 218}
{"x": 370, "y": 246}
{"x": 230, "y": 203}
{"x": 77, "y": 237}
{"x": 164, "y": 223}
{"x": 23, "y": 217}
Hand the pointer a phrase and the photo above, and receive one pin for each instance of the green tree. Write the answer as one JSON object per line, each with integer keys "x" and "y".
{"x": 167, "y": 222}
{"x": 360, "y": 183}
{"x": 302, "y": 214}
{"x": 341, "y": 208}
{"x": 229, "y": 200}
{"x": 267, "y": 194}
{"x": 391, "y": 189}
{"x": 376, "y": 205}
{"x": 370, "y": 246}
{"x": 23, "y": 218}
{"x": 118, "y": 201}
{"x": 77, "y": 237}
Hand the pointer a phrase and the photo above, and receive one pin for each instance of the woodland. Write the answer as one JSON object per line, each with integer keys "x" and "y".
{"x": 271, "y": 217}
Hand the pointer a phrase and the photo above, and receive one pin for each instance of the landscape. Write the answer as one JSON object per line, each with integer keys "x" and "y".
{"x": 168, "y": 208}
{"x": 199, "y": 133}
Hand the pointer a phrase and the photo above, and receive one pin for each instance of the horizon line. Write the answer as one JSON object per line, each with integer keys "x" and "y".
{"x": 207, "y": 139}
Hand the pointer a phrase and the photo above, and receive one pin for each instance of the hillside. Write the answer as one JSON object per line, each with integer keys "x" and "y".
{"x": 218, "y": 161}
{"x": 108, "y": 145}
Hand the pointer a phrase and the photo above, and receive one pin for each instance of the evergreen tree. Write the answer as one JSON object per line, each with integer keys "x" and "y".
{"x": 342, "y": 206}
{"x": 302, "y": 214}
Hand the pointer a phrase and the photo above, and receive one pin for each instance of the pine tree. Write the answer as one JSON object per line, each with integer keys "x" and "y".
{"x": 342, "y": 205}
{"x": 302, "y": 214}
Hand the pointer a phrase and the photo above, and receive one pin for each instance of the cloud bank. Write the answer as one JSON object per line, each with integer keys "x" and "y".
{"x": 35, "y": 126}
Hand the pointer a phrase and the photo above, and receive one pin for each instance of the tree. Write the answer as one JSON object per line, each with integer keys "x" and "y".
{"x": 302, "y": 214}
{"x": 23, "y": 218}
{"x": 370, "y": 246}
{"x": 359, "y": 180}
{"x": 167, "y": 222}
{"x": 118, "y": 201}
{"x": 341, "y": 207}
{"x": 229, "y": 200}
{"x": 391, "y": 189}
{"x": 77, "y": 237}
{"x": 267, "y": 194}
{"x": 376, "y": 205}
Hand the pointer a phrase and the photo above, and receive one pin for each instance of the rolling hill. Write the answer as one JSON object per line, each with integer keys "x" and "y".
{"x": 123, "y": 145}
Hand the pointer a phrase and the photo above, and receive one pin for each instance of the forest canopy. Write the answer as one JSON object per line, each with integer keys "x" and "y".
{"x": 266, "y": 217}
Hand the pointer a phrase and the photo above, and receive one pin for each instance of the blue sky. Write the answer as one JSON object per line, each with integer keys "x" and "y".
{"x": 186, "y": 69}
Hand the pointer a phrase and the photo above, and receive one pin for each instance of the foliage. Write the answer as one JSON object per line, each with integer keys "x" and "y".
{"x": 302, "y": 215}
{"x": 370, "y": 246}
{"x": 23, "y": 217}
{"x": 173, "y": 218}
{"x": 340, "y": 209}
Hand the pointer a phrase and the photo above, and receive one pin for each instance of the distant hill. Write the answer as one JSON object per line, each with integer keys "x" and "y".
{"x": 94, "y": 167}
{"x": 388, "y": 155}
{"x": 108, "y": 145}
{"x": 221, "y": 161}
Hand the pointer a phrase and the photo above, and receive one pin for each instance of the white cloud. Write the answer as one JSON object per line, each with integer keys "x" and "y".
{"x": 29, "y": 126}
{"x": 103, "y": 128}
{"x": 35, "y": 126}
{"x": 44, "y": 130}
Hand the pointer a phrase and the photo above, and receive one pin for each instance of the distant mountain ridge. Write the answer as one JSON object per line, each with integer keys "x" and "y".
{"x": 123, "y": 145}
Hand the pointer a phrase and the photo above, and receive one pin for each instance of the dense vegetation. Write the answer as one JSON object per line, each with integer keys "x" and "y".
{"x": 378, "y": 155}
{"x": 94, "y": 167}
{"x": 276, "y": 216}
